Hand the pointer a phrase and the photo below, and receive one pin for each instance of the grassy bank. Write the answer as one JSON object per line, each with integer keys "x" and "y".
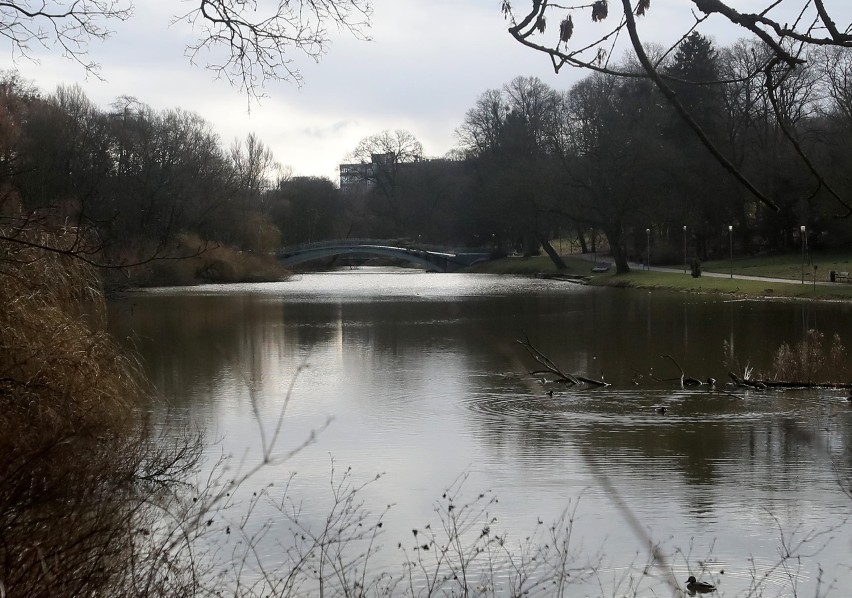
{"x": 727, "y": 286}
{"x": 788, "y": 266}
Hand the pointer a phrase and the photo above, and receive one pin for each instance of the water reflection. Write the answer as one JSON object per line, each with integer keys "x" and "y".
{"x": 424, "y": 380}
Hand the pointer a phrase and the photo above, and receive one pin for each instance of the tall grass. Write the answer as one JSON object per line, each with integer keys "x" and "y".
{"x": 79, "y": 467}
{"x": 811, "y": 360}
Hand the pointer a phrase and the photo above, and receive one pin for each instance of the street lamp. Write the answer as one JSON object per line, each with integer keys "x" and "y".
{"x": 731, "y": 247}
{"x": 684, "y": 249}
{"x": 802, "y": 240}
{"x": 648, "y": 249}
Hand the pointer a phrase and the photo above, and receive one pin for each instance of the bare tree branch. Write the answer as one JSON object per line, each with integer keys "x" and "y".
{"x": 249, "y": 44}
{"x": 68, "y": 25}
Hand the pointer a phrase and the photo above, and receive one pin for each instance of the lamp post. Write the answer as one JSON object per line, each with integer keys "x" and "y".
{"x": 684, "y": 249}
{"x": 802, "y": 240}
{"x": 731, "y": 247}
{"x": 648, "y": 249}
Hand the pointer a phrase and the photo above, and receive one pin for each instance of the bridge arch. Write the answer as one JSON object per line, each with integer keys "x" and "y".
{"x": 428, "y": 260}
{"x": 432, "y": 259}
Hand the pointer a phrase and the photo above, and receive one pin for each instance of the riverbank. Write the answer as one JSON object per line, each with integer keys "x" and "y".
{"x": 774, "y": 276}
{"x": 194, "y": 262}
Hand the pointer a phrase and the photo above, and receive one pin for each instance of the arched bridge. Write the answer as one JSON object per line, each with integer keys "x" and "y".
{"x": 430, "y": 259}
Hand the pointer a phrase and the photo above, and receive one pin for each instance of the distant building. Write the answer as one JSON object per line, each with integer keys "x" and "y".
{"x": 353, "y": 175}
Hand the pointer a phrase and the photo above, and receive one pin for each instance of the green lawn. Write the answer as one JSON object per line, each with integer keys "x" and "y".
{"x": 707, "y": 284}
{"x": 785, "y": 266}
{"x": 788, "y": 266}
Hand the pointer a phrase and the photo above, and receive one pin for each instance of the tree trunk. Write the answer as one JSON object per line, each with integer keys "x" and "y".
{"x": 582, "y": 240}
{"x": 551, "y": 252}
{"x": 619, "y": 252}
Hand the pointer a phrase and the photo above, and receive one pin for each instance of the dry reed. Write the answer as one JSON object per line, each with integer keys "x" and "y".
{"x": 78, "y": 466}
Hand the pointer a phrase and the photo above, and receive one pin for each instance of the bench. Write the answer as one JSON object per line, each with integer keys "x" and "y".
{"x": 841, "y": 276}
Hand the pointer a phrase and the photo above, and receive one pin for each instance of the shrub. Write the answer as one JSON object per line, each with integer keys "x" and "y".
{"x": 695, "y": 267}
{"x": 207, "y": 264}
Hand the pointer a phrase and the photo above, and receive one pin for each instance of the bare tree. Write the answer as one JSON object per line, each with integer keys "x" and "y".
{"x": 836, "y": 74}
{"x": 402, "y": 145}
{"x": 510, "y": 132}
{"x": 254, "y": 166}
{"x": 482, "y": 123}
{"x": 385, "y": 156}
{"x": 246, "y": 43}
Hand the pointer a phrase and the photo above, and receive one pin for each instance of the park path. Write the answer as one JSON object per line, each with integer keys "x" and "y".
{"x": 636, "y": 266}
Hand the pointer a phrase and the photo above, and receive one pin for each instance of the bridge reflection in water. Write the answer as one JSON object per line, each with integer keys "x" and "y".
{"x": 432, "y": 259}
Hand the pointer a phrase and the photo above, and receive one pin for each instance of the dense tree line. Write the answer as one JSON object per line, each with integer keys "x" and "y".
{"x": 607, "y": 159}
{"x": 610, "y": 155}
{"x": 137, "y": 185}
{"x": 133, "y": 183}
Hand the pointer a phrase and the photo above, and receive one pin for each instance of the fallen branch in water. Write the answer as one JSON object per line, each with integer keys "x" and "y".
{"x": 764, "y": 384}
{"x": 684, "y": 379}
{"x": 554, "y": 370}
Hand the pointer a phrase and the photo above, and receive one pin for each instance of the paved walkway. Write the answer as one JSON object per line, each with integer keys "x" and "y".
{"x": 735, "y": 276}
{"x": 635, "y": 266}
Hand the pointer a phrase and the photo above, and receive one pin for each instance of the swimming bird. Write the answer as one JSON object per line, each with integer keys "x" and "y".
{"x": 661, "y": 409}
{"x": 701, "y": 587}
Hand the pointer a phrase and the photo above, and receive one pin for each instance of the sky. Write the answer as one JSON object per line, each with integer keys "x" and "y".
{"x": 426, "y": 65}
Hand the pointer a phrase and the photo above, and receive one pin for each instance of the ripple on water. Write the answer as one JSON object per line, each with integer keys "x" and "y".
{"x": 636, "y": 407}
{"x": 758, "y": 577}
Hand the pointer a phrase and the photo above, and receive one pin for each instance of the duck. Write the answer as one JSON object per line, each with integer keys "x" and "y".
{"x": 701, "y": 587}
{"x": 661, "y": 409}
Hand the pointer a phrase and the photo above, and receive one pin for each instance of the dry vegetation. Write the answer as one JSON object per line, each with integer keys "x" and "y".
{"x": 813, "y": 361}
{"x": 78, "y": 467}
{"x": 206, "y": 263}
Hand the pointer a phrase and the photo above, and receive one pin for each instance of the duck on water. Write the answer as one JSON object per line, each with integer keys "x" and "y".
{"x": 694, "y": 586}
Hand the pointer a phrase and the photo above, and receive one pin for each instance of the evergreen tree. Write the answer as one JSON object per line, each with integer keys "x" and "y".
{"x": 695, "y": 68}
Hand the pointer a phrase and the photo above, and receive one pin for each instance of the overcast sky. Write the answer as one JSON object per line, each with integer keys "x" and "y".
{"x": 426, "y": 65}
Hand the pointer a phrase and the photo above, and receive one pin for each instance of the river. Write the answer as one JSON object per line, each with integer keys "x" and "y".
{"x": 419, "y": 379}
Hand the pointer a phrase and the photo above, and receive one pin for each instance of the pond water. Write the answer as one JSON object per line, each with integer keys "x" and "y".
{"x": 420, "y": 378}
